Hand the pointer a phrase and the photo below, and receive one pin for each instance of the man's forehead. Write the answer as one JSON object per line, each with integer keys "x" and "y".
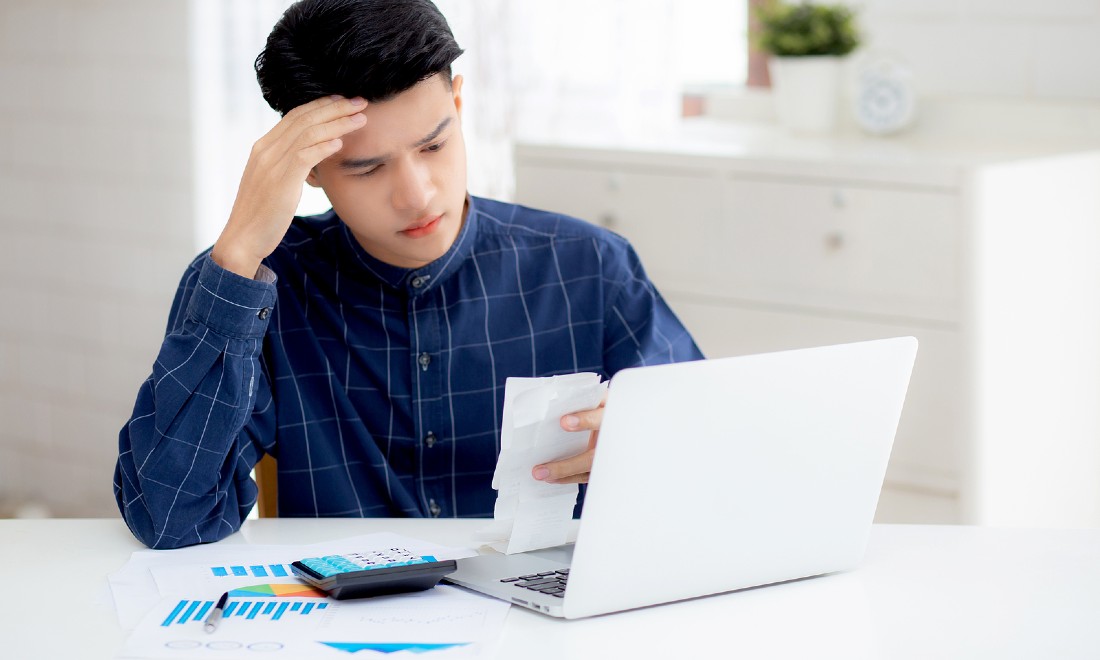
{"x": 364, "y": 147}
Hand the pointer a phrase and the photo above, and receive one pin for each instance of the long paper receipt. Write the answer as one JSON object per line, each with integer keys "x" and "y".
{"x": 531, "y": 514}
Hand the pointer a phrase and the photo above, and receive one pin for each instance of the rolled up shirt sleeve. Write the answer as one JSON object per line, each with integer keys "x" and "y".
{"x": 203, "y": 417}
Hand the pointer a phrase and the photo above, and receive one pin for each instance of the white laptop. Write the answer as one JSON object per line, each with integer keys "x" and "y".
{"x": 719, "y": 475}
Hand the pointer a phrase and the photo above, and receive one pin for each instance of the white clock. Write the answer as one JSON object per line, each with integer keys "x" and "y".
{"x": 884, "y": 98}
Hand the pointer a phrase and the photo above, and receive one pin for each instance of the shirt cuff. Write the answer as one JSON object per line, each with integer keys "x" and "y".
{"x": 231, "y": 305}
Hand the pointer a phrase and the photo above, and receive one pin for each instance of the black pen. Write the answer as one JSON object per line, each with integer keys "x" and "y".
{"x": 212, "y": 619}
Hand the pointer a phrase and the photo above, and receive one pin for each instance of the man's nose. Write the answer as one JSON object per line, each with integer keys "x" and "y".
{"x": 413, "y": 189}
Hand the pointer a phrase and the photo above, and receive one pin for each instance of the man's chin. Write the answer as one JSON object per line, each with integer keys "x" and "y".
{"x": 418, "y": 258}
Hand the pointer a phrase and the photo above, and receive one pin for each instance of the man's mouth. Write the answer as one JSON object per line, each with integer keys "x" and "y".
{"x": 422, "y": 227}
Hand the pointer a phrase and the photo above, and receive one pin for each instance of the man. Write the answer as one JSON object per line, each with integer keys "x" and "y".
{"x": 367, "y": 348}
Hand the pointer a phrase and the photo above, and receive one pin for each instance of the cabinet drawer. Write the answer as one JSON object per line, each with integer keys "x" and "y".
{"x": 928, "y": 450}
{"x": 892, "y": 252}
{"x": 669, "y": 216}
{"x": 580, "y": 192}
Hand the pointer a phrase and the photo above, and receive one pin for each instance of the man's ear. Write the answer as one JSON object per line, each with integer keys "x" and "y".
{"x": 456, "y": 89}
{"x": 311, "y": 178}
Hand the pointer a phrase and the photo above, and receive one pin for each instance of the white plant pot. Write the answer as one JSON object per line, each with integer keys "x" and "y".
{"x": 806, "y": 91}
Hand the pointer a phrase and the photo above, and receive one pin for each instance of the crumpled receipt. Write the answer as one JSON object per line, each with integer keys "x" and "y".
{"x": 531, "y": 514}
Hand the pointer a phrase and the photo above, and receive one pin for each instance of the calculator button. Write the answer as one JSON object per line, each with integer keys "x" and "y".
{"x": 511, "y": 579}
{"x": 559, "y": 595}
{"x": 545, "y": 573}
{"x": 529, "y": 577}
{"x": 562, "y": 571}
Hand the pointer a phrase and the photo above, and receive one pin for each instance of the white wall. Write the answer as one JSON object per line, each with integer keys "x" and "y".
{"x": 95, "y": 210}
{"x": 98, "y": 212}
{"x": 1039, "y": 49}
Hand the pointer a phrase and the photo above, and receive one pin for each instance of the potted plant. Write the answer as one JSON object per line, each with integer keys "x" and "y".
{"x": 805, "y": 43}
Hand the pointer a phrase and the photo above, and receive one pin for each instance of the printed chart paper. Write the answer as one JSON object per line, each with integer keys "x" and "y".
{"x": 443, "y": 622}
{"x": 141, "y": 583}
{"x": 270, "y": 612}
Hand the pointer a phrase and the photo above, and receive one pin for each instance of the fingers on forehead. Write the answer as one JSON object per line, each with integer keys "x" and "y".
{"x": 326, "y": 107}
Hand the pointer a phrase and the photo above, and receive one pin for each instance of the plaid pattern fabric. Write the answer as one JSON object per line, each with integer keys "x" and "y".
{"x": 378, "y": 389}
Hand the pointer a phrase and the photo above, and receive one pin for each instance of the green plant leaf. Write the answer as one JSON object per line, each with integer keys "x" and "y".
{"x": 806, "y": 29}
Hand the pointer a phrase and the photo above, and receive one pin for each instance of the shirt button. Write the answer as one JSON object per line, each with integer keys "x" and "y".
{"x": 429, "y": 439}
{"x": 418, "y": 282}
{"x": 424, "y": 361}
{"x": 262, "y": 314}
{"x": 434, "y": 508}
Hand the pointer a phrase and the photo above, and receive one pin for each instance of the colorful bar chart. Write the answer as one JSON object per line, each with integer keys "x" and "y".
{"x": 256, "y": 570}
{"x": 187, "y": 611}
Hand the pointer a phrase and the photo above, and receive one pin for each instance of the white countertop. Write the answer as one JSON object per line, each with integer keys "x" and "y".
{"x": 762, "y": 149}
{"x": 922, "y": 592}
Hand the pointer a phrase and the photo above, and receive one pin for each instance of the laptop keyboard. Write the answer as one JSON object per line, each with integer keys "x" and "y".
{"x": 547, "y": 582}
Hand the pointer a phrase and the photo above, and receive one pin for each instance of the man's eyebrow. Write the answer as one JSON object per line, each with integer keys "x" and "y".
{"x": 360, "y": 163}
{"x": 434, "y": 134}
{"x": 363, "y": 163}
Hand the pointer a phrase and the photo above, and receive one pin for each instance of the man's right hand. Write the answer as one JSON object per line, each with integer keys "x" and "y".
{"x": 271, "y": 186}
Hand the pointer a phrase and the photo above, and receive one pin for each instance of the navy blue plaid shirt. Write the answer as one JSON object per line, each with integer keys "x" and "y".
{"x": 379, "y": 389}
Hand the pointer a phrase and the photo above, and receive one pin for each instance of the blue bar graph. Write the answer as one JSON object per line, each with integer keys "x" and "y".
{"x": 195, "y": 611}
{"x": 257, "y": 570}
{"x": 190, "y": 610}
{"x": 175, "y": 612}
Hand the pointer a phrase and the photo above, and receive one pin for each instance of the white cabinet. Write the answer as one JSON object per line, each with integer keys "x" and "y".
{"x": 759, "y": 252}
{"x": 842, "y": 247}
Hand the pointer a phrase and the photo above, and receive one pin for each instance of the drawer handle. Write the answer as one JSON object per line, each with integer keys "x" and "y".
{"x": 834, "y": 241}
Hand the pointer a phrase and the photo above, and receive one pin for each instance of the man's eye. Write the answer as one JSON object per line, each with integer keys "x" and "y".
{"x": 435, "y": 147}
{"x": 368, "y": 172}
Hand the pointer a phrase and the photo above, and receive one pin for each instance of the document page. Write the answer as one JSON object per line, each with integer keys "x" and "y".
{"x": 448, "y": 621}
{"x": 269, "y": 611}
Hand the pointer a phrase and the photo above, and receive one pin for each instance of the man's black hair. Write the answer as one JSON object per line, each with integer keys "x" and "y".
{"x": 375, "y": 49}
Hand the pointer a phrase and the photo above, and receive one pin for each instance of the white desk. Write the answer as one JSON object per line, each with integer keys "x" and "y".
{"x": 923, "y": 592}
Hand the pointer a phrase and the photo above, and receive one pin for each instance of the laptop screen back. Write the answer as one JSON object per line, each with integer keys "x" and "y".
{"x": 728, "y": 473}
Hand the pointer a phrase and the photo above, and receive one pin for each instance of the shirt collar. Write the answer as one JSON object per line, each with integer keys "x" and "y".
{"x": 416, "y": 281}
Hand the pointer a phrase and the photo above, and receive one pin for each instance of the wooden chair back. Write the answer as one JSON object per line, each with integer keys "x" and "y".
{"x": 268, "y": 482}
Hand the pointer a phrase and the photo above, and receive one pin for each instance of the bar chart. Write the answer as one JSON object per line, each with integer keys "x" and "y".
{"x": 188, "y": 611}
{"x": 254, "y": 570}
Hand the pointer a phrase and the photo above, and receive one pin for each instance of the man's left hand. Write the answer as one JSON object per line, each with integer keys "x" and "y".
{"x": 575, "y": 469}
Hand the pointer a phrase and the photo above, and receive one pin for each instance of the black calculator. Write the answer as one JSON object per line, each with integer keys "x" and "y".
{"x": 374, "y": 573}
